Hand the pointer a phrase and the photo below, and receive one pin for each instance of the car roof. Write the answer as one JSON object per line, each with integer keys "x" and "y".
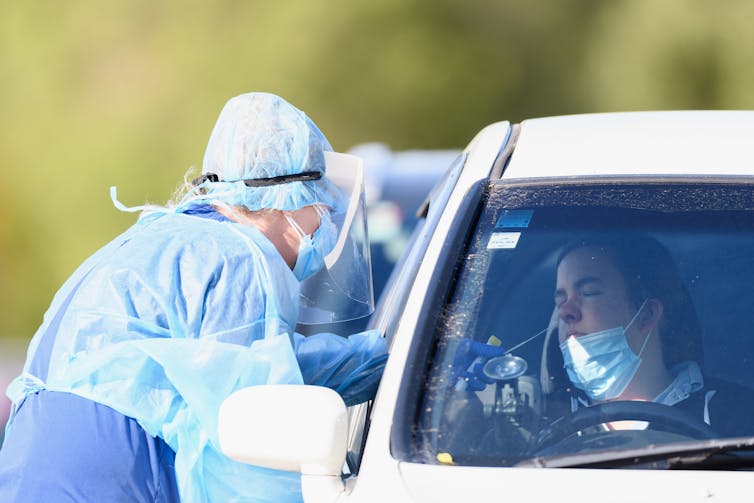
{"x": 696, "y": 143}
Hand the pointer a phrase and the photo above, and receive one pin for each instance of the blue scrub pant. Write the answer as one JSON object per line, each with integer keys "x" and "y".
{"x": 61, "y": 447}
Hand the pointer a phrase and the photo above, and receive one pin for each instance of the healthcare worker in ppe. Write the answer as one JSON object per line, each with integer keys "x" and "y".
{"x": 627, "y": 330}
{"x": 119, "y": 395}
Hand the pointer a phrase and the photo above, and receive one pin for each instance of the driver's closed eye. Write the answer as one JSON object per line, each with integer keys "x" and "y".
{"x": 591, "y": 293}
{"x": 559, "y": 298}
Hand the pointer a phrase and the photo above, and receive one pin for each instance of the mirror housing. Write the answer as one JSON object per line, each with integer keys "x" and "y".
{"x": 299, "y": 428}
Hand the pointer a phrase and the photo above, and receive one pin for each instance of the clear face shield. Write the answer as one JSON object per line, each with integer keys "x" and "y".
{"x": 342, "y": 290}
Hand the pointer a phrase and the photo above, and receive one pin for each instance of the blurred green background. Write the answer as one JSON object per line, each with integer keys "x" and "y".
{"x": 125, "y": 93}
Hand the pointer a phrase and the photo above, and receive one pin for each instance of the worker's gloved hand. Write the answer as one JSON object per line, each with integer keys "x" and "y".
{"x": 468, "y": 362}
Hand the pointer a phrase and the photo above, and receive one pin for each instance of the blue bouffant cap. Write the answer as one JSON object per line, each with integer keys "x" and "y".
{"x": 264, "y": 153}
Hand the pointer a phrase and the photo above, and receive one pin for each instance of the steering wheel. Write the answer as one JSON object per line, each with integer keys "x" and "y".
{"x": 661, "y": 417}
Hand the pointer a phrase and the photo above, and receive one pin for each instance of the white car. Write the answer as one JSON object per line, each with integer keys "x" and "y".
{"x": 490, "y": 260}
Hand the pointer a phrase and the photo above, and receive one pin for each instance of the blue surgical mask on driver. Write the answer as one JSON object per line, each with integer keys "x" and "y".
{"x": 602, "y": 364}
{"x": 312, "y": 249}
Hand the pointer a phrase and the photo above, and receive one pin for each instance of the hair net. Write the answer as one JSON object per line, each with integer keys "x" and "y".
{"x": 262, "y": 136}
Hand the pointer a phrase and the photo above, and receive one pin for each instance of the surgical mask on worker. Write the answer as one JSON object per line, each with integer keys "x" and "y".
{"x": 602, "y": 364}
{"x": 312, "y": 249}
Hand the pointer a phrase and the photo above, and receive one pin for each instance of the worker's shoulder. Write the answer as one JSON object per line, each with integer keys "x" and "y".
{"x": 179, "y": 234}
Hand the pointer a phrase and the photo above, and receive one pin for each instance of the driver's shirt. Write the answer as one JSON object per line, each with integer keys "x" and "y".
{"x": 688, "y": 380}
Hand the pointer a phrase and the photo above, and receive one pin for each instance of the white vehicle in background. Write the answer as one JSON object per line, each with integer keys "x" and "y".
{"x": 482, "y": 264}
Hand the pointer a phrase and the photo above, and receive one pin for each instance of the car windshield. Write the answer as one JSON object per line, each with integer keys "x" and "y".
{"x": 624, "y": 314}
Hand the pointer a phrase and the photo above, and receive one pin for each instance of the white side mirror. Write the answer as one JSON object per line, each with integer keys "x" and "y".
{"x": 297, "y": 428}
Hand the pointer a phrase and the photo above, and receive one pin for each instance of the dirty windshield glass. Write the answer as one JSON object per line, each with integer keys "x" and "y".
{"x": 595, "y": 319}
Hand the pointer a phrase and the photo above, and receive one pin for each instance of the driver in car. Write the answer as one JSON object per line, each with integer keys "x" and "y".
{"x": 627, "y": 330}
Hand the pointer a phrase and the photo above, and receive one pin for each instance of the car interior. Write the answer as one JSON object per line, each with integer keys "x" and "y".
{"x": 513, "y": 264}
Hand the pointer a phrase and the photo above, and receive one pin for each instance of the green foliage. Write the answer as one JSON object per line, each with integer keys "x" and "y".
{"x": 125, "y": 93}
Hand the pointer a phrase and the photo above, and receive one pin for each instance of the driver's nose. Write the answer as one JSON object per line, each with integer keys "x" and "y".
{"x": 569, "y": 311}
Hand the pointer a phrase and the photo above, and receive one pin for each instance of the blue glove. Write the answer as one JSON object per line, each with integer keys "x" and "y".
{"x": 468, "y": 362}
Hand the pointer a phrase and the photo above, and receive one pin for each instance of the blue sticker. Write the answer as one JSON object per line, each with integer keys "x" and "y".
{"x": 514, "y": 219}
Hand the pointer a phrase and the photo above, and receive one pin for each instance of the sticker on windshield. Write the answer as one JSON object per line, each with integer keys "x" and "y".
{"x": 503, "y": 240}
{"x": 514, "y": 219}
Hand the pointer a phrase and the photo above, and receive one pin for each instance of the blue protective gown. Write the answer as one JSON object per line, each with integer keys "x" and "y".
{"x": 123, "y": 380}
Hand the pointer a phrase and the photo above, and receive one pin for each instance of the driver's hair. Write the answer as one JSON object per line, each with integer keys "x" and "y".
{"x": 649, "y": 271}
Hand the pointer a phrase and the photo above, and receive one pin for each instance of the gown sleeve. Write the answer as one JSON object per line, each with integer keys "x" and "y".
{"x": 352, "y": 366}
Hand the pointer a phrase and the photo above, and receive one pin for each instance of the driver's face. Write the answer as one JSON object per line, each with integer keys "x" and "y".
{"x": 590, "y": 294}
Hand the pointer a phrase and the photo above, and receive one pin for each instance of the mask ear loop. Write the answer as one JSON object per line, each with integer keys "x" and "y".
{"x": 646, "y": 339}
{"x": 320, "y": 212}
{"x": 295, "y": 226}
{"x": 298, "y": 229}
{"x": 651, "y": 330}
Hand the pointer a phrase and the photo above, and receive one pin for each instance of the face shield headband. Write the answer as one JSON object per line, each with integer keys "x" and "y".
{"x": 263, "y": 182}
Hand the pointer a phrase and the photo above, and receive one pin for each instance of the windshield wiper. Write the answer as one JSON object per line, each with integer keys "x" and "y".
{"x": 720, "y": 454}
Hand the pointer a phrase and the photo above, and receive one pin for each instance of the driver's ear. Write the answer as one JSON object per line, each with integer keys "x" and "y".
{"x": 651, "y": 314}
